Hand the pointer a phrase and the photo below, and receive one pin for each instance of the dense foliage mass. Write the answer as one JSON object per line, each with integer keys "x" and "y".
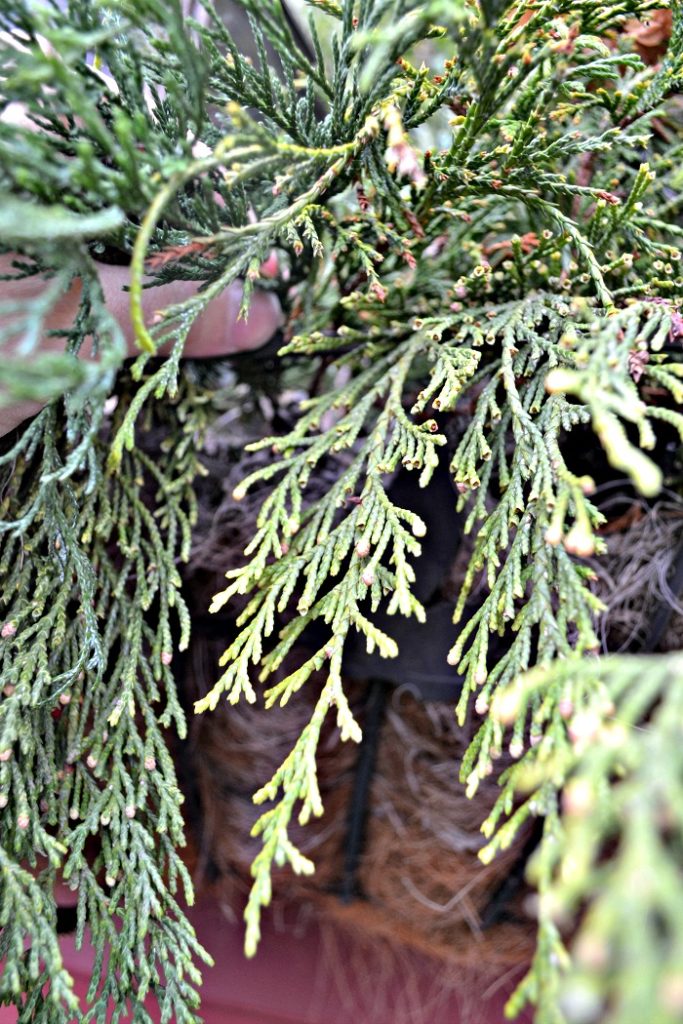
{"x": 476, "y": 209}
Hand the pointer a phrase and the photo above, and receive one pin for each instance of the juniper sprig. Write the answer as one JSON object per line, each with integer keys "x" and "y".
{"x": 476, "y": 210}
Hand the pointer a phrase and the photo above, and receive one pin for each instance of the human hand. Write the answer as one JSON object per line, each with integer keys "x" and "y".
{"x": 215, "y": 332}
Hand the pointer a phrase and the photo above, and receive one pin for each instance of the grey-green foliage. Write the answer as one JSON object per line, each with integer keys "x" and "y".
{"x": 478, "y": 217}
{"x": 91, "y": 609}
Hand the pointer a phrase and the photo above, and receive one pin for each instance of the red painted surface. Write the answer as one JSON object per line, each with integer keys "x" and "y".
{"x": 312, "y": 972}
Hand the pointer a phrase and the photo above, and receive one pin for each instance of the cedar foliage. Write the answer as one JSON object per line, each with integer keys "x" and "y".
{"x": 478, "y": 206}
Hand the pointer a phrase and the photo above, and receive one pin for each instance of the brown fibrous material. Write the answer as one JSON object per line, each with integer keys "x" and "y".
{"x": 633, "y": 576}
{"x": 420, "y": 879}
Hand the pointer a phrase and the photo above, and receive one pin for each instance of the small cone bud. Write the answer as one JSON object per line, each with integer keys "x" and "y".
{"x": 166, "y": 657}
{"x": 363, "y": 548}
{"x": 560, "y": 379}
{"x": 23, "y": 822}
{"x": 5, "y": 754}
{"x": 553, "y": 535}
{"x": 592, "y": 952}
{"x": 150, "y": 763}
{"x": 506, "y": 707}
{"x": 580, "y": 541}
{"x": 8, "y": 630}
{"x": 131, "y": 811}
{"x": 584, "y": 727}
{"x": 419, "y": 528}
{"x": 566, "y": 707}
{"x": 368, "y": 577}
{"x": 578, "y": 799}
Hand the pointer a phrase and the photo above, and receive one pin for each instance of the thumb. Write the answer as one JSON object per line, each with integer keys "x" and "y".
{"x": 218, "y": 331}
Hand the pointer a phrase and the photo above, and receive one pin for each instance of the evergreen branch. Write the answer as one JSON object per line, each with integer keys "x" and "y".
{"x": 478, "y": 262}
{"x": 608, "y": 739}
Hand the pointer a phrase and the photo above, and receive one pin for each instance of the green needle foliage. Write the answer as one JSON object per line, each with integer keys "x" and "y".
{"x": 476, "y": 208}
{"x": 610, "y": 742}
